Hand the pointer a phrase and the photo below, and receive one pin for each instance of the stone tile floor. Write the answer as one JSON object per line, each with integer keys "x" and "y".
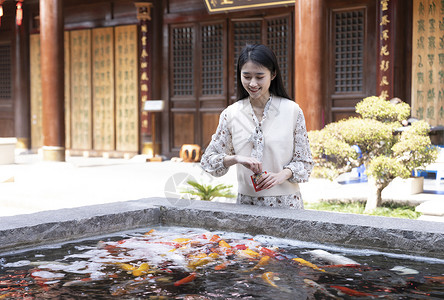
{"x": 31, "y": 185}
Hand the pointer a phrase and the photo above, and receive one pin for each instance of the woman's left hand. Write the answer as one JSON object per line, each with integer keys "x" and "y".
{"x": 270, "y": 179}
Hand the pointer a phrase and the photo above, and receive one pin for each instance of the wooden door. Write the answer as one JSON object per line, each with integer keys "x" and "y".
{"x": 350, "y": 55}
{"x": 6, "y": 103}
{"x": 202, "y": 80}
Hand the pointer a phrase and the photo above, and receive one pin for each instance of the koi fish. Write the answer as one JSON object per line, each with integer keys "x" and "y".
{"x": 249, "y": 253}
{"x": 181, "y": 240}
{"x": 308, "y": 264}
{"x": 141, "y": 270}
{"x": 269, "y": 278}
{"x": 268, "y": 252}
{"x": 351, "y": 292}
{"x": 345, "y": 266}
{"x": 400, "y": 270}
{"x": 221, "y": 266}
{"x": 200, "y": 262}
{"x": 127, "y": 267}
{"x": 215, "y": 238}
{"x": 320, "y": 288}
{"x": 438, "y": 279}
{"x": 79, "y": 282}
{"x": 187, "y": 279}
{"x": 150, "y": 232}
{"x": 224, "y": 244}
{"x": 262, "y": 262}
{"x": 335, "y": 259}
{"x": 240, "y": 247}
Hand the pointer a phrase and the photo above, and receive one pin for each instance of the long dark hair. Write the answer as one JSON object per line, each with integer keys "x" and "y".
{"x": 264, "y": 56}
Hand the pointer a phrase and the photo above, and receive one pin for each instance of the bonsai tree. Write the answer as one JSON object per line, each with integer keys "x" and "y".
{"x": 388, "y": 149}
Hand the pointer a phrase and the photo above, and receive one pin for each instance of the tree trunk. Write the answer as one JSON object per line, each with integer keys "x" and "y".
{"x": 374, "y": 198}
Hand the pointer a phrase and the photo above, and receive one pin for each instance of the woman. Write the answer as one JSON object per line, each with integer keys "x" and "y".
{"x": 264, "y": 133}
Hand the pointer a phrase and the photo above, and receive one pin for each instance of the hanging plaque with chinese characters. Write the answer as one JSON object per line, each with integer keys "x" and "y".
{"x": 81, "y": 90}
{"x": 127, "y": 104}
{"x": 428, "y": 61}
{"x": 103, "y": 88}
{"x": 36, "y": 92}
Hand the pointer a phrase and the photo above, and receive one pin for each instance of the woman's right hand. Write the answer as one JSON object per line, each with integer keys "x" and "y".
{"x": 250, "y": 163}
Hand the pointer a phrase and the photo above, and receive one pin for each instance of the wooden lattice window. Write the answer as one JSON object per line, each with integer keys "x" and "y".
{"x": 212, "y": 62}
{"x": 349, "y": 51}
{"x": 5, "y": 72}
{"x": 277, "y": 40}
{"x": 183, "y": 61}
{"x": 245, "y": 32}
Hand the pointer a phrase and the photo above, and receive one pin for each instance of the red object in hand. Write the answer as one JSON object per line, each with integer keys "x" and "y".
{"x": 255, "y": 178}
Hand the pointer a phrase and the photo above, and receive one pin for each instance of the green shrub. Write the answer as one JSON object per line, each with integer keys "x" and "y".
{"x": 385, "y": 153}
{"x": 208, "y": 192}
{"x": 379, "y": 109}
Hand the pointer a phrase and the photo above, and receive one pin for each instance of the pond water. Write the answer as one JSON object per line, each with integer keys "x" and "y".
{"x": 186, "y": 263}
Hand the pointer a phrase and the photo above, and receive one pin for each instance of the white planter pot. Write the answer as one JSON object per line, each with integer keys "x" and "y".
{"x": 7, "y": 149}
{"x": 409, "y": 186}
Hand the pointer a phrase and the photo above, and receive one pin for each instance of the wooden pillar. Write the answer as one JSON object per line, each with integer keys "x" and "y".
{"x": 52, "y": 69}
{"x": 308, "y": 56}
{"x": 22, "y": 119}
{"x": 148, "y": 121}
{"x": 385, "y": 71}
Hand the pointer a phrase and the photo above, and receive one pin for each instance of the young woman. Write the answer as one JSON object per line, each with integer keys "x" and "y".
{"x": 264, "y": 134}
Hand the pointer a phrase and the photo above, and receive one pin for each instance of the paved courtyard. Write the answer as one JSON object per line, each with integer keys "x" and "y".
{"x": 31, "y": 185}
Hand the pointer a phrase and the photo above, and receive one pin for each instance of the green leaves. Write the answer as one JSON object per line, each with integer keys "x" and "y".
{"x": 379, "y": 109}
{"x": 208, "y": 192}
{"x": 385, "y": 153}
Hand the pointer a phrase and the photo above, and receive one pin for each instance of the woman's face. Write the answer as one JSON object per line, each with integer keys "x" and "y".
{"x": 256, "y": 80}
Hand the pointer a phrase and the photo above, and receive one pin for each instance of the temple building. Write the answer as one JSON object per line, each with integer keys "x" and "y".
{"x": 116, "y": 78}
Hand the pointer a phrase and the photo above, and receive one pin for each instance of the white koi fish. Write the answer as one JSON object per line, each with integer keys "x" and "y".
{"x": 404, "y": 270}
{"x": 331, "y": 258}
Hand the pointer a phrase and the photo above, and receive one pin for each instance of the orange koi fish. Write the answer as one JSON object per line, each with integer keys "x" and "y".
{"x": 150, "y": 232}
{"x": 224, "y": 244}
{"x": 215, "y": 238}
{"x": 222, "y": 266}
{"x": 187, "y": 279}
{"x": 308, "y": 264}
{"x": 249, "y": 253}
{"x": 351, "y": 292}
{"x": 262, "y": 262}
{"x": 437, "y": 279}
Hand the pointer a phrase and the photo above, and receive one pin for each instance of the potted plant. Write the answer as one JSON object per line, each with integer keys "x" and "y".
{"x": 387, "y": 152}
